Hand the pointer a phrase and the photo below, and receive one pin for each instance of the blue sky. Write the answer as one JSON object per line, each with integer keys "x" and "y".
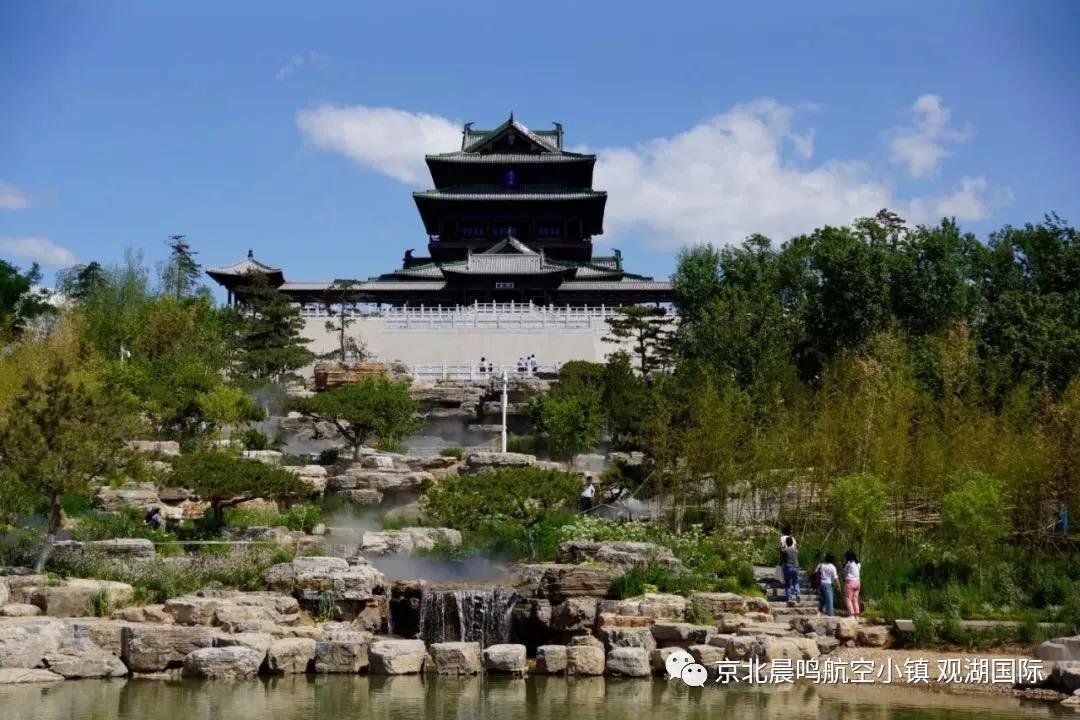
{"x": 298, "y": 130}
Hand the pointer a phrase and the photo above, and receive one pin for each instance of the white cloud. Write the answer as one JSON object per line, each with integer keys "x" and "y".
{"x": 922, "y": 144}
{"x": 38, "y": 249}
{"x": 392, "y": 142}
{"x": 749, "y": 170}
{"x": 13, "y": 198}
{"x": 297, "y": 61}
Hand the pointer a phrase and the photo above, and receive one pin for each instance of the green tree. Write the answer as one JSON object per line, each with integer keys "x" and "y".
{"x": 371, "y": 408}
{"x": 858, "y": 503}
{"x": 973, "y": 516}
{"x": 180, "y": 274}
{"x": 340, "y": 303}
{"x": 225, "y": 480}
{"x": 80, "y": 282}
{"x": 647, "y": 330}
{"x": 696, "y": 281}
{"x": 570, "y": 416}
{"x": 270, "y": 345}
{"x": 624, "y": 400}
{"x": 61, "y": 438}
{"x": 523, "y": 496}
{"x": 20, "y": 300}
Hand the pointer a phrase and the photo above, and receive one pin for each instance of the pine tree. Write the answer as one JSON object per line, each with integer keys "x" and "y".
{"x": 648, "y": 330}
{"x": 340, "y": 303}
{"x": 180, "y": 276}
{"x": 80, "y": 282}
{"x": 61, "y": 439}
{"x": 270, "y": 345}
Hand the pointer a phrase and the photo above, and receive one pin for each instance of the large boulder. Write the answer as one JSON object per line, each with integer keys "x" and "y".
{"x": 1065, "y": 676}
{"x": 121, "y": 549}
{"x": 585, "y": 660}
{"x": 19, "y": 610}
{"x": 396, "y": 657}
{"x": 260, "y": 642}
{"x": 382, "y": 481}
{"x": 79, "y": 597}
{"x": 638, "y": 637}
{"x": 79, "y": 657}
{"x": 551, "y": 659}
{"x": 5, "y": 591}
{"x": 14, "y": 676}
{"x": 623, "y": 553}
{"x": 480, "y": 461}
{"x": 170, "y": 448}
{"x": 574, "y": 616}
{"x": 223, "y": 662}
{"x": 138, "y": 495}
{"x": 1060, "y": 649}
{"x": 407, "y": 540}
{"x": 313, "y": 475}
{"x": 153, "y": 648}
{"x": 655, "y": 605}
{"x": 505, "y": 658}
{"x": 456, "y": 658}
{"x": 316, "y": 575}
{"x": 345, "y": 652}
{"x": 290, "y": 656}
{"x": 24, "y": 642}
{"x": 558, "y": 581}
{"x": 707, "y": 654}
{"x": 629, "y": 662}
{"x": 718, "y": 603}
{"x": 873, "y": 636}
{"x": 681, "y": 634}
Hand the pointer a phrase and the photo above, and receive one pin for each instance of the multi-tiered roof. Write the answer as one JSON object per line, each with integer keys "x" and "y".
{"x": 511, "y": 216}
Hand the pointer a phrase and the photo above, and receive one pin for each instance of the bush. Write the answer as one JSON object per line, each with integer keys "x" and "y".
{"x": 973, "y": 513}
{"x": 329, "y": 456}
{"x": 453, "y": 452}
{"x": 124, "y": 523}
{"x": 570, "y": 416}
{"x": 255, "y": 439}
{"x": 302, "y": 517}
{"x": 858, "y": 506}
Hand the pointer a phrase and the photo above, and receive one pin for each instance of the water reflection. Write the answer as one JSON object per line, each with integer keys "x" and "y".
{"x": 439, "y": 698}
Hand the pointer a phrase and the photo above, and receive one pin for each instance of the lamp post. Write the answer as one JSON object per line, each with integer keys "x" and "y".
{"x": 504, "y": 410}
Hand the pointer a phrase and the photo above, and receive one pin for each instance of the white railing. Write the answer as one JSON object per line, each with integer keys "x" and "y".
{"x": 501, "y": 316}
{"x": 474, "y": 371}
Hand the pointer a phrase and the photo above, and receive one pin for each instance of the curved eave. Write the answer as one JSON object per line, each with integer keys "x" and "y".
{"x": 509, "y": 158}
{"x": 230, "y": 279}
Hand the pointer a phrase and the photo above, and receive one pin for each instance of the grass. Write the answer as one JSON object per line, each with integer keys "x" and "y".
{"x": 455, "y": 452}
{"x": 303, "y": 516}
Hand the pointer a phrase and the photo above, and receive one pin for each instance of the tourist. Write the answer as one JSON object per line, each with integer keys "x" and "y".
{"x": 851, "y": 583}
{"x": 532, "y": 364}
{"x": 785, "y": 533}
{"x": 521, "y": 365}
{"x": 585, "y": 500}
{"x": 154, "y": 519}
{"x": 791, "y": 569}
{"x": 827, "y": 580}
{"x": 483, "y": 365}
{"x": 1063, "y": 519}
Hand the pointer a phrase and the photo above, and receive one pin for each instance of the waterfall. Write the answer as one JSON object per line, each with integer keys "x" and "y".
{"x": 480, "y": 615}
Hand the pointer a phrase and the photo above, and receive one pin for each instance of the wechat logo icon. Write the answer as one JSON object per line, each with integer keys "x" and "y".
{"x": 680, "y": 664}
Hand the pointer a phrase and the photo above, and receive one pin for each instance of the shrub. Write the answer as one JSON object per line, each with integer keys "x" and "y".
{"x": 301, "y": 517}
{"x": 371, "y": 408}
{"x": 329, "y": 456}
{"x": 973, "y": 513}
{"x": 524, "y": 496}
{"x": 858, "y": 506}
{"x": 124, "y": 523}
{"x": 453, "y": 452}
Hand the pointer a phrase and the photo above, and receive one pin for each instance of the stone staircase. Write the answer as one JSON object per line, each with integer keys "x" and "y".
{"x": 782, "y": 607}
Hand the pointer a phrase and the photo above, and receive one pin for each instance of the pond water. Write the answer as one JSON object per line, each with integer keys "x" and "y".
{"x": 439, "y": 698}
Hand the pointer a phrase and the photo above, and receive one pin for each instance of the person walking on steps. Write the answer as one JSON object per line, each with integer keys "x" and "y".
{"x": 585, "y": 500}
{"x": 791, "y": 569}
{"x": 852, "y": 586}
{"x": 827, "y": 581}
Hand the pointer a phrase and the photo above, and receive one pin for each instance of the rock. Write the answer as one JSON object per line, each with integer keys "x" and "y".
{"x": 170, "y": 448}
{"x": 681, "y": 634}
{"x": 383, "y": 481}
{"x": 407, "y": 540}
{"x": 82, "y": 598}
{"x": 846, "y": 629}
{"x": 628, "y": 662}
{"x": 1065, "y": 676}
{"x": 123, "y": 549}
{"x": 556, "y": 582}
{"x": 574, "y": 615}
{"x": 362, "y": 496}
{"x": 22, "y": 587}
{"x": 253, "y": 641}
{"x": 658, "y": 659}
{"x": 345, "y": 652}
{"x": 741, "y": 647}
{"x": 551, "y": 659}
{"x": 623, "y": 553}
{"x": 639, "y": 637}
{"x": 775, "y": 648}
{"x": 316, "y": 575}
{"x": 19, "y": 610}
{"x": 396, "y": 657}
{"x": 223, "y": 662}
{"x": 822, "y": 625}
{"x": 772, "y": 629}
{"x": 24, "y": 642}
{"x": 290, "y": 656}
{"x": 826, "y": 645}
{"x": 873, "y": 636}
{"x": 138, "y": 495}
{"x": 12, "y": 676}
{"x": 106, "y": 634}
{"x": 491, "y": 460}
{"x": 655, "y": 605}
{"x": 5, "y": 591}
{"x": 706, "y": 654}
{"x": 807, "y": 646}
{"x": 631, "y": 459}
{"x": 456, "y": 658}
{"x": 193, "y": 610}
{"x": 152, "y": 648}
{"x": 585, "y": 660}
{"x": 313, "y": 475}
{"x": 377, "y": 462}
{"x": 1059, "y": 649}
{"x": 584, "y": 641}
{"x": 79, "y": 657}
{"x": 505, "y": 658}
{"x": 270, "y": 457}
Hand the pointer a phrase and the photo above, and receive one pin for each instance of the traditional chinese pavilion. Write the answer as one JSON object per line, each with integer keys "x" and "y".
{"x": 511, "y": 218}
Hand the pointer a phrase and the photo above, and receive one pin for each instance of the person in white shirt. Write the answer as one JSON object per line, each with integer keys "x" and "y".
{"x": 852, "y": 585}
{"x": 785, "y": 533}
{"x": 828, "y": 579}
{"x": 585, "y": 500}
